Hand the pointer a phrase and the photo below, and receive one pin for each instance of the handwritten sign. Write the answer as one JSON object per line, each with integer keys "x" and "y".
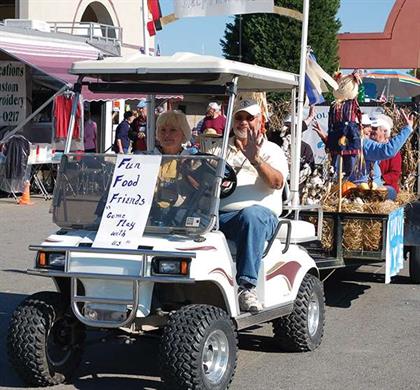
{"x": 394, "y": 244}
{"x": 189, "y": 8}
{"x": 12, "y": 93}
{"x": 129, "y": 201}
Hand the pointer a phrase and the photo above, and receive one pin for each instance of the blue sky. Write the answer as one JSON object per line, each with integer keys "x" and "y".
{"x": 202, "y": 35}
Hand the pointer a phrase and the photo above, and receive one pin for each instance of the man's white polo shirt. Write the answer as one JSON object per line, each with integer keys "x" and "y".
{"x": 251, "y": 188}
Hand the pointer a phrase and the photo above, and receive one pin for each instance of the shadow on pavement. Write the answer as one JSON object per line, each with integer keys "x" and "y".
{"x": 343, "y": 287}
{"x": 108, "y": 362}
{"x": 258, "y": 343}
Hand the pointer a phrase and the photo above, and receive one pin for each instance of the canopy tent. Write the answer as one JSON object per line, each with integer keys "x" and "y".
{"x": 170, "y": 73}
{"x": 52, "y": 57}
{"x": 392, "y": 82}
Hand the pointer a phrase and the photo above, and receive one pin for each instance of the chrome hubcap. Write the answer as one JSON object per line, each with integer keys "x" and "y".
{"x": 313, "y": 314}
{"x": 215, "y": 356}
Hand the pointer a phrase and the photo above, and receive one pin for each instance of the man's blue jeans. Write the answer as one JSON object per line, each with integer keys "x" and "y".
{"x": 249, "y": 228}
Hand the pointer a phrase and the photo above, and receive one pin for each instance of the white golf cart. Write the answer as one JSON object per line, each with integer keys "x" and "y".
{"x": 180, "y": 281}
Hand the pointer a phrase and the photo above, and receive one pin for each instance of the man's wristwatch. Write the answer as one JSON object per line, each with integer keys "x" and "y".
{"x": 257, "y": 162}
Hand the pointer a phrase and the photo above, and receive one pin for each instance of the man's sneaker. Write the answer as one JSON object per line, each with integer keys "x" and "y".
{"x": 248, "y": 300}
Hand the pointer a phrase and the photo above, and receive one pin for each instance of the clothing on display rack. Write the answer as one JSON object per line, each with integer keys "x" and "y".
{"x": 61, "y": 114}
{"x": 16, "y": 150}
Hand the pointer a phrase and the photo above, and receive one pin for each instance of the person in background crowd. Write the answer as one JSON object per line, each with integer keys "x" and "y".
{"x": 374, "y": 151}
{"x": 390, "y": 168}
{"x": 249, "y": 218}
{"x": 89, "y": 137}
{"x": 122, "y": 142}
{"x": 306, "y": 153}
{"x": 213, "y": 119}
{"x": 137, "y": 132}
{"x": 366, "y": 125}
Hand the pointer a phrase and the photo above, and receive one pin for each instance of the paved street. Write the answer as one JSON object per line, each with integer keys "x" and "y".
{"x": 371, "y": 341}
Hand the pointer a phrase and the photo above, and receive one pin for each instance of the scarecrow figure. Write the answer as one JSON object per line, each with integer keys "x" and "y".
{"x": 344, "y": 133}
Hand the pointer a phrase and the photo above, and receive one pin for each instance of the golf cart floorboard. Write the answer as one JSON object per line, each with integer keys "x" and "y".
{"x": 246, "y": 320}
{"x": 328, "y": 263}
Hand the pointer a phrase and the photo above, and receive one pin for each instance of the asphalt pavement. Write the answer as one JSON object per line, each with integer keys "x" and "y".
{"x": 371, "y": 339}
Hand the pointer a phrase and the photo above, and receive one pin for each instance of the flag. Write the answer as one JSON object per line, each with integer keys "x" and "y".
{"x": 155, "y": 24}
{"x": 383, "y": 98}
{"x": 189, "y": 8}
{"x": 315, "y": 78}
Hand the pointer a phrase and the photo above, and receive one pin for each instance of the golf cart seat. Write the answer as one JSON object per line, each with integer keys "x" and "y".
{"x": 302, "y": 231}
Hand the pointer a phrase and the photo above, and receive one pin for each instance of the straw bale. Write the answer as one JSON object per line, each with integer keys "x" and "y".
{"x": 372, "y": 237}
{"x": 353, "y": 234}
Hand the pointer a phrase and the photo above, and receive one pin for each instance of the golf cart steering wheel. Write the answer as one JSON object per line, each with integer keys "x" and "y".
{"x": 229, "y": 182}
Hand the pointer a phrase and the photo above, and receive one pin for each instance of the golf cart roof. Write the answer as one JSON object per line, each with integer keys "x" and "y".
{"x": 185, "y": 69}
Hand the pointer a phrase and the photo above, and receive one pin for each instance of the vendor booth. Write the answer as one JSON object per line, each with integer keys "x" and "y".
{"x": 36, "y": 99}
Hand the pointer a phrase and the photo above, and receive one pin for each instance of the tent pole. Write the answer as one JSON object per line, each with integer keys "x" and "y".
{"x": 294, "y": 174}
{"x": 77, "y": 89}
{"x": 30, "y": 117}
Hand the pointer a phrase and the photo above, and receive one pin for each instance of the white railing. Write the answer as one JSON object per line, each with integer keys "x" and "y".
{"x": 93, "y": 31}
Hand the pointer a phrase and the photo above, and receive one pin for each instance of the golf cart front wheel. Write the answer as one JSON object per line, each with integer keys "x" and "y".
{"x": 44, "y": 342}
{"x": 198, "y": 349}
{"x": 302, "y": 330}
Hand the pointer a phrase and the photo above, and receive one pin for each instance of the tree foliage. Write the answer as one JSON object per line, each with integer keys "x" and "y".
{"x": 274, "y": 41}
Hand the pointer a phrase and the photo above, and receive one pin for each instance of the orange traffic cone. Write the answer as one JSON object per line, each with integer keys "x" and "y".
{"x": 26, "y": 196}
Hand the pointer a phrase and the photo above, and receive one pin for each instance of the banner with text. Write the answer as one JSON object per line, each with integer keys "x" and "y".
{"x": 129, "y": 201}
{"x": 189, "y": 8}
{"x": 394, "y": 244}
{"x": 12, "y": 93}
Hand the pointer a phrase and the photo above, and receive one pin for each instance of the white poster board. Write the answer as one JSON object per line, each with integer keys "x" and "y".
{"x": 394, "y": 244}
{"x": 12, "y": 93}
{"x": 189, "y": 8}
{"x": 129, "y": 201}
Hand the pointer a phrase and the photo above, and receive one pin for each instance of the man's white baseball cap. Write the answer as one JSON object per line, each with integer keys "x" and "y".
{"x": 214, "y": 106}
{"x": 366, "y": 120}
{"x": 249, "y": 106}
{"x": 383, "y": 121}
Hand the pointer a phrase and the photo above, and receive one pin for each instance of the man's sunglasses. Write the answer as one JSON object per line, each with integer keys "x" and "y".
{"x": 244, "y": 117}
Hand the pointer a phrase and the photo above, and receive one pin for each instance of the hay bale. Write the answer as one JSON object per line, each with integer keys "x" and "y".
{"x": 353, "y": 235}
{"x": 372, "y": 240}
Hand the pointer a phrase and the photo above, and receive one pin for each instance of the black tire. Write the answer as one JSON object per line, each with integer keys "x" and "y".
{"x": 414, "y": 261}
{"x": 190, "y": 331}
{"x": 39, "y": 325}
{"x": 293, "y": 332}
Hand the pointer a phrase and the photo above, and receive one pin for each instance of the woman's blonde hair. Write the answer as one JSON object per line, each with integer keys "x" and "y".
{"x": 175, "y": 119}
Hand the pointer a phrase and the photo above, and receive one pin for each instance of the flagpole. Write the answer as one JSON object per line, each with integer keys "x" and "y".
{"x": 145, "y": 12}
{"x": 295, "y": 163}
{"x": 150, "y": 99}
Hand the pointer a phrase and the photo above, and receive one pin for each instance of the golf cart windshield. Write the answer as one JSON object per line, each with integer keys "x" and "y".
{"x": 185, "y": 197}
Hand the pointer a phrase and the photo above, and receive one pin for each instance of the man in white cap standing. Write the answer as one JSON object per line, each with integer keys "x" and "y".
{"x": 249, "y": 216}
{"x": 213, "y": 119}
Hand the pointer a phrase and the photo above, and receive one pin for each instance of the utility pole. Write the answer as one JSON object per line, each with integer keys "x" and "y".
{"x": 240, "y": 38}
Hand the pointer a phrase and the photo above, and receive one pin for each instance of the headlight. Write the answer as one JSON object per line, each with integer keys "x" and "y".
{"x": 170, "y": 266}
{"x": 55, "y": 260}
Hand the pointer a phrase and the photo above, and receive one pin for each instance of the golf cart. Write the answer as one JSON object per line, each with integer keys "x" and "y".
{"x": 179, "y": 280}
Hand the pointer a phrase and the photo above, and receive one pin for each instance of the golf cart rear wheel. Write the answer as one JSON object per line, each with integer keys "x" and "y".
{"x": 303, "y": 329}
{"x": 44, "y": 342}
{"x": 198, "y": 349}
{"x": 414, "y": 253}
